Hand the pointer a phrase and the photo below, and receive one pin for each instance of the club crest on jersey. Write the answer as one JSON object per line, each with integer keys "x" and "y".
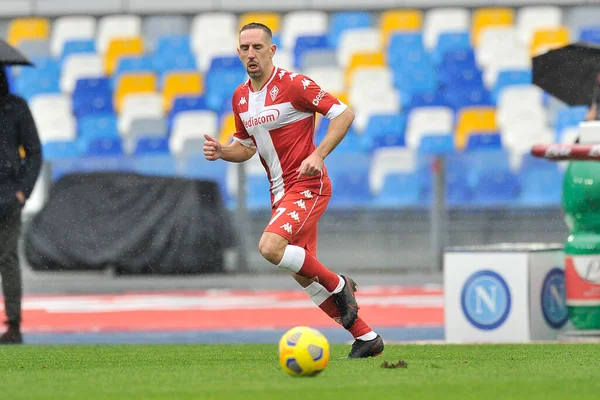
{"x": 263, "y": 117}
{"x": 274, "y": 92}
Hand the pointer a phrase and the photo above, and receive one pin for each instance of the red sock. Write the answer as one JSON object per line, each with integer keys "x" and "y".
{"x": 359, "y": 328}
{"x": 300, "y": 261}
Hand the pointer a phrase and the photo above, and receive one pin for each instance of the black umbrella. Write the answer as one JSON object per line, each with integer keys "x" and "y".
{"x": 11, "y": 56}
{"x": 568, "y": 73}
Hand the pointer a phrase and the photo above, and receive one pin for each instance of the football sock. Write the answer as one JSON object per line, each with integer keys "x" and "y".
{"x": 323, "y": 299}
{"x": 299, "y": 261}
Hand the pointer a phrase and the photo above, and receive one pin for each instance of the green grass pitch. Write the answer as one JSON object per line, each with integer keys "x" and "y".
{"x": 532, "y": 371}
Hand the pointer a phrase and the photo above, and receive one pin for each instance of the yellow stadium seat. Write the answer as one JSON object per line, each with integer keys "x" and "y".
{"x": 474, "y": 120}
{"x": 227, "y": 128}
{"x": 361, "y": 60}
{"x": 400, "y": 20}
{"x": 272, "y": 20}
{"x": 119, "y": 48}
{"x": 133, "y": 83}
{"x": 548, "y": 39}
{"x": 487, "y": 17}
{"x": 21, "y": 29}
{"x": 179, "y": 84}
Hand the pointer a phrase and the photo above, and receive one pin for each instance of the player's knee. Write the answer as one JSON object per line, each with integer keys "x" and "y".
{"x": 271, "y": 250}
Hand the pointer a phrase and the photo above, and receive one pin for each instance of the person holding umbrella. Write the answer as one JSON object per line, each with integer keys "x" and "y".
{"x": 20, "y": 164}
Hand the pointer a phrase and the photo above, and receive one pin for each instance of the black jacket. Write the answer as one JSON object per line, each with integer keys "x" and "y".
{"x": 17, "y": 129}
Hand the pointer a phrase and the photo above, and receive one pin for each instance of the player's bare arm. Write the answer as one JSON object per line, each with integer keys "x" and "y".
{"x": 234, "y": 152}
{"x": 338, "y": 128}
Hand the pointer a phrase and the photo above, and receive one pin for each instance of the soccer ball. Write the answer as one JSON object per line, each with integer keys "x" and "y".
{"x": 303, "y": 351}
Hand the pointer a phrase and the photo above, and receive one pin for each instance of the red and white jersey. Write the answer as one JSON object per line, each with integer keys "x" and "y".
{"x": 279, "y": 120}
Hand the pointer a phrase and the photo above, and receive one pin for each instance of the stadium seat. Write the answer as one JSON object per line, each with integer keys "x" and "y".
{"x": 133, "y": 83}
{"x": 517, "y": 99}
{"x": 364, "y": 60}
{"x": 155, "y": 27}
{"x": 319, "y": 58}
{"x": 486, "y": 17}
{"x": 179, "y": 84}
{"x": 428, "y": 121}
{"x": 540, "y": 188}
{"x": 34, "y": 28}
{"x": 450, "y": 41}
{"x": 357, "y": 40}
{"x": 196, "y": 166}
{"x": 139, "y": 106}
{"x": 155, "y": 165}
{"x": 444, "y": 20}
{"x": 508, "y": 78}
{"x": 71, "y": 29}
{"x": 591, "y": 35}
{"x": 101, "y": 146}
{"x": 532, "y": 18}
{"x": 578, "y": 18}
{"x": 392, "y": 21}
{"x": 210, "y": 28}
{"x": 224, "y": 47}
{"x": 270, "y": 19}
{"x": 484, "y": 141}
{"x": 302, "y": 23}
{"x": 119, "y": 48}
{"x": 548, "y": 39}
{"x": 151, "y": 145}
{"x": 306, "y": 44}
{"x": 77, "y": 47}
{"x": 495, "y": 42}
{"x": 388, "y": 160}
{"x": 220, "y": 84}
{"x": 79, "y": 66}
{"x": 144, "y": 128}
{"x": 35, "y": 48}
{"x": 349, "y": 173}
{"x": 471, "y": 120}
{"x": 192, "y": 125}
{"x": 118, "y": 27}
{"x": 62, "y": 128}
{"x": 516, "y": 59}
{"x": 496, "y": 187}
{"x": 56, "y": 150}
{"x": 442, "y": 143}
{"x": 341, "y": 21}
{"x": 103, "y": 126}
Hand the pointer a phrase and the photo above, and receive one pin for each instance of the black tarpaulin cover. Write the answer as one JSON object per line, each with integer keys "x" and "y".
{"x": 139, "y": 224}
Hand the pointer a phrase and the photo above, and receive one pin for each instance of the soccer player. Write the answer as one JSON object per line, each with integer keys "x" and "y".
{"x": 275, "y": 114}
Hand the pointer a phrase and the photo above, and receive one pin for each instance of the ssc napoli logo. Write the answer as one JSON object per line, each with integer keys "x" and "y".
{"x": 554, "y": 307}
{"x": 485, "y": 300}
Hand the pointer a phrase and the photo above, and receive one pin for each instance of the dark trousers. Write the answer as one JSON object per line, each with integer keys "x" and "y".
{"x": 10, "y": 269}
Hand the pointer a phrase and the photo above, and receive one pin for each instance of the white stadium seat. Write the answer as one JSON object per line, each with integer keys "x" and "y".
{"x": 71, "y": 28}
{"x": 116, "y": 26}
{"x": 444, "y": 20}
{"x": 302, "y": 23}
{"x": 357, "y": 40}
{"x": 428, "y": 121}
{"x": 225, "y": 47}
{"x": 388, "y": 160}
{"x": 192, "y": 125}
{"x": 210, "y": 28}
{"x": 78, "y": 66}
{"x": 139, "y": 106}
{"x": 532, "y": 18}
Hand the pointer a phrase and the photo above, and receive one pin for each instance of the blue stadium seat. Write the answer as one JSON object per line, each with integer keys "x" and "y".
{"x": 170, "y": 46}
{"x": 427, "y": 99}
{"x": 342, "y": 20}
{"x": 450, "y": 41}
{"x": 458, "y": 192}
{"x": 177, "y": 62}
{"x": 403, "y": 44}
{"x": 591, "y": 34}
{"x": 258, "y": 193}
{"x": 188, "y": 103}
{"x": 225, "y": 63}
{"x": 540, "y": 187}
{"x": 413, "y": 81}
{"x": 484, "y": 141}
{"x": 496, "y": 187}
{"x": 93, "y": 104}
{"x": 467, "y": 96}
{"x": 85, "y": 86}
{"x": 103, "y": 126}
{"x": 384, "y": 130}
{"x": 398, "y": 190}
{"x": 77, "y": 46}
{"x": 43, "y": 78}
{"x": 508, "y": 78}
{"x": 568, "y": 117}
{"x": 65, "y": 166}
{"x": 349, "y": 176}
{"x": 220, "y": 84}
{"x": 308, "y": 43}
{"x": 101, "y": 146}
{"x": 155, "y": 165}
{"x": 59, "y": 150}
{"x": 151, "y": 145}
{"x": 410, "y": 60}
{"x": 437, "y": 144}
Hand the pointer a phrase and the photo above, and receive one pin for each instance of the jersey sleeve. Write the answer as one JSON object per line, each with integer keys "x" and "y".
{"x": 240, "y": 135}
{"x": 308, "y": 96}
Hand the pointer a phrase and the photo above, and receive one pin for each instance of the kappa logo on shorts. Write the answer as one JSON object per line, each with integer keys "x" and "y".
{"x": 295, "y": 216}
{"x": 307, "y": 194}
{"x": 300, "y": 203}
{"x": 287, "y": 227}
